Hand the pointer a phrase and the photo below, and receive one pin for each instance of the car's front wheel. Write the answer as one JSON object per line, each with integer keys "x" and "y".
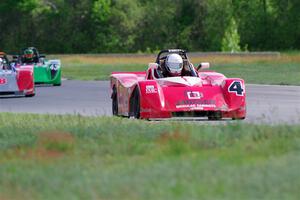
{"x": 30, "y": 95}
{"x": 135, "y": 105}
{"x": 240, "y": 118}
{"x": 114, "y": 102}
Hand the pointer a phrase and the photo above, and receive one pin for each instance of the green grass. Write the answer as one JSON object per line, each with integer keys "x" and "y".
{"x": 75, "y": 157}
{"x": 280, "y": 71}
{"x": 263, "y": 72}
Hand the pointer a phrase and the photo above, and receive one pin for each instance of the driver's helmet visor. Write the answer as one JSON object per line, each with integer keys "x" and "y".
{"x": 28, "y": 53}
{"x": 175, "y": 66}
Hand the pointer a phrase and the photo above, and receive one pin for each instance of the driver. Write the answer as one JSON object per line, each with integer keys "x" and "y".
{"x": 28, "y": 56}
{"x": 173, "y": 65}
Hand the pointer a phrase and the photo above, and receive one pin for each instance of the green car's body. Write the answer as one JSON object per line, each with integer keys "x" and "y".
{"x": 48, "y": 72}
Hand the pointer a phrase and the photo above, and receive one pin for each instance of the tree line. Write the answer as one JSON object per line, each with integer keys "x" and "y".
{"x": 123, "y": 26}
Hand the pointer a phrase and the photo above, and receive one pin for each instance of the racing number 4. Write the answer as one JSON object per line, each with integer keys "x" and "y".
{"x": 236, "y": 87}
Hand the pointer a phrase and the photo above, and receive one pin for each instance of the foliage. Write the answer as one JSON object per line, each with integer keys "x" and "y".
{"x": 231, "y": 39}
{"x": 98, "y": 26}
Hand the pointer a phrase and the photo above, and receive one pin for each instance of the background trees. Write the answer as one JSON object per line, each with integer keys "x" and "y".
{"x": 97, "y": 26}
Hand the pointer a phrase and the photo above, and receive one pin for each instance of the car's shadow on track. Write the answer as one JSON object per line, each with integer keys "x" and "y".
{"x": 43, "y": 85}
{"x": 12, "y": 97}
{"x": 182, "y": 119}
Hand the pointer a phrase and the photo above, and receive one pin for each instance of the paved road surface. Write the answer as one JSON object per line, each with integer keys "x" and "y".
{"x": 267, "y": 104}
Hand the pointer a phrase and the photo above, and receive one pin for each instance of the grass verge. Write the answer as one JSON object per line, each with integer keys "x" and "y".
{"x": 75, "y": 157}
{"x": 283, "y": 70}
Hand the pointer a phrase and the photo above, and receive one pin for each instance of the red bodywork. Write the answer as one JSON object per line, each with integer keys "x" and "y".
{"x": 209, "y": 94}
{"x": 25, "y": 79}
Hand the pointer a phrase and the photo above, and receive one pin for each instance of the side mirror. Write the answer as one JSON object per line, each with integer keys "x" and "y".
{"x": 204, "y": 65}
{"x": 153, "y": 65}
{"x": 15, "y": 56}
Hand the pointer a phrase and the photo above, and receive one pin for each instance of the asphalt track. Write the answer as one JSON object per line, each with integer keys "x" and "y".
{"x": 265, "y": 104}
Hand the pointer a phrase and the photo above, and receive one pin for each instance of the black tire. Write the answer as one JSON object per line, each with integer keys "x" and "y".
{"x": 212, "y": 118}
{"x": 135, "y": 105}
{"x": 57, "y": 84}
{"x": 242, "y": 118}
{"x": 114, "y": 97}
{"x": 30, "y": 95}
{"x": 215, "y": 116}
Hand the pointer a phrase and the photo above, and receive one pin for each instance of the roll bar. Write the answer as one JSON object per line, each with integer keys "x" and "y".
{"x": 179, "y": 51}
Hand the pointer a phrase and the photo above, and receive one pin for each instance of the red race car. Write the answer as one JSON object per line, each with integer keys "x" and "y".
{"x": 15, "y": 81}
{"x": 173, "y": 87}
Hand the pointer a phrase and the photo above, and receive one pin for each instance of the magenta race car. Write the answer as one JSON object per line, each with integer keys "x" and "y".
{"x": 173, "y": 87}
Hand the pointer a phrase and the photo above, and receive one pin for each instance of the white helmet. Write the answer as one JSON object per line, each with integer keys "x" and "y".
{"x": 174, "y": 64}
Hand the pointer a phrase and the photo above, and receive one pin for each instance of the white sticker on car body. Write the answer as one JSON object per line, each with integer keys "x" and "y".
{"x": 194, "y": 95}
{"x": 150, "y": 89}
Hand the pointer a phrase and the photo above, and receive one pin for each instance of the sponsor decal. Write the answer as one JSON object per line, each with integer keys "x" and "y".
{"x": 196, "y": 104}
{"x": 150, "y": 89}
{"x": 194, "y": 95}
{"x": 3, "y": 81}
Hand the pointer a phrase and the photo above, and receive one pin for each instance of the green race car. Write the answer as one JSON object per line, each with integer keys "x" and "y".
{"x": 45, "y": 71}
